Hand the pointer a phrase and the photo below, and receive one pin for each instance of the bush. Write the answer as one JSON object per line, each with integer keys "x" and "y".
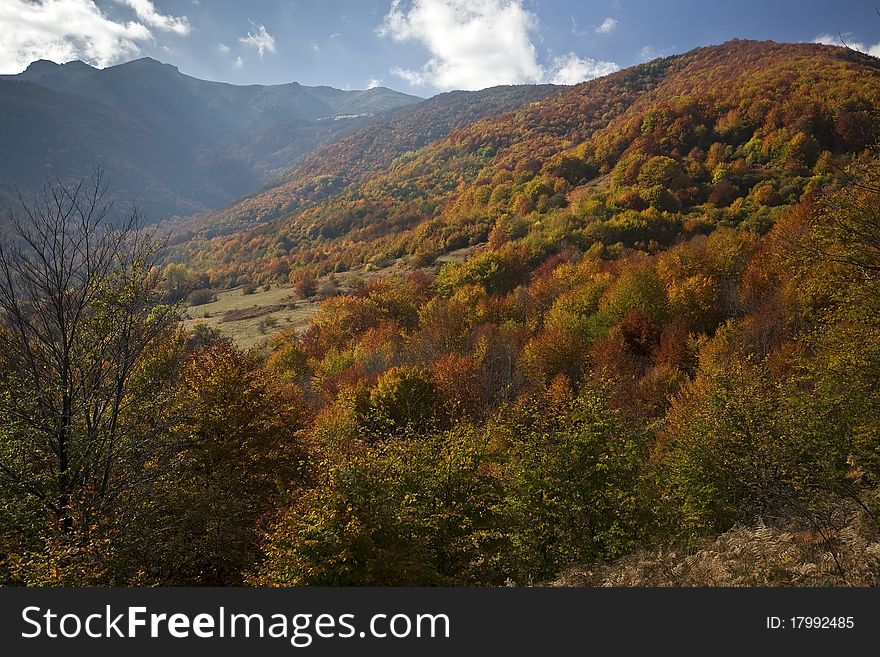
{"x": 327, "y": 289}
{"x": 415, "y": 512}
{"x": 304, "y": 284}
{"x": 200, "y": 297}
{"x": 739, "y": 445}
{"x": 404, "y": 399}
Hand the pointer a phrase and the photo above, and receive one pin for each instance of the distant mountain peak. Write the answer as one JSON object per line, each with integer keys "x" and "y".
{"x": 44, "y": 65}
{"x": 41, "y": 66}
{"x": 145, "y": 62}
{"x": 179, "y": 145}
{"x": 76, "y": 63}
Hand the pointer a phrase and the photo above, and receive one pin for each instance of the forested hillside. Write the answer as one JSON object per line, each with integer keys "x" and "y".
{"x": 746, "y": 120}
{"x": 332, "y": 170}
{"x": 651, "y": 360}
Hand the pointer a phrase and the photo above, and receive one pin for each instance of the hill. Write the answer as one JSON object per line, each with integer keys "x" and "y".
{"x": 667, "y": 334}
{"x": 197, "y": 143}
{"x": 334, "y": 169}
{"x": 675, "y": 145}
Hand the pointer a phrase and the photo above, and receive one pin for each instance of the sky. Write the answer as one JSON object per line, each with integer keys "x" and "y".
{"x": 415, "y": 46}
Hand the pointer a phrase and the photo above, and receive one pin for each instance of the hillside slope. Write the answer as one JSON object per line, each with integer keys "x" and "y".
{"x": 670, "y": 331}
{"x": 690, "y": 140}
{"x": 592, "y": 339}
{"x": 49, "y": 134}
{"x": 347, "y": 162}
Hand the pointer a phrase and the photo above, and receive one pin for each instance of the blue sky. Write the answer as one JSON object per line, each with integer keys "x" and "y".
{"x": 416, "y": 46}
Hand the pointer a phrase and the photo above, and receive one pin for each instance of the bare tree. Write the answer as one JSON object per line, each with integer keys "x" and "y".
{"x": 78, "y": 313}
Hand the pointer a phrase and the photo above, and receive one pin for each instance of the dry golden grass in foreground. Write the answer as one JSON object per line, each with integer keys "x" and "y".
{"x": 759, "y": 556}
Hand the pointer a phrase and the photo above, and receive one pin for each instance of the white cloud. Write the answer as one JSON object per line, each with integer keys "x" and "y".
{"x": 373, "y": 83}
{"x": 222, "y": 48}
{"x": 474, "y": 44}
{"x": 572, "y": 69}
{"x": 238, "y": 63}
{"x": 146, "y": 11}
{"x": 63, "y": 30}
{"x": 336, "y": 35}
{"x": 607, "y": 25}
{"x": 647, "y": 53}
{"x": 845, "y": 40}
{"x": 260, "y": 39}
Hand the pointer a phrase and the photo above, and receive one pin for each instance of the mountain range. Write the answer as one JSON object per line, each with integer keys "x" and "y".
{"x": 170, "y": 143}
{"x": 369, "y": 151}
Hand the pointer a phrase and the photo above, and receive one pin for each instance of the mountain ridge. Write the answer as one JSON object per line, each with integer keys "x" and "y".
{"x": 229, "y": 139}
{"x": 345, "y": 162}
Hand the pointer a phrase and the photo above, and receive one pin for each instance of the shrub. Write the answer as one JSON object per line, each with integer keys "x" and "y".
{"x": 200, "y": 297}
{"x": 404, "y": 399}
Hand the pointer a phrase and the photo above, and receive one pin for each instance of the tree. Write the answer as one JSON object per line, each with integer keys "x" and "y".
{"x": 845, "y": 227}
{"x": 236, "y": 455}
{"x": 404, "y": 399}
{"x": 79, "y": 312}
{"x": 406, "y": 513}
{"x": 738, "y": 445}
{"x": 304, "y": 284}
{"x": 662, "y": 171}
{"x": 723, "y": 193}
{"x": 571, "y": 481}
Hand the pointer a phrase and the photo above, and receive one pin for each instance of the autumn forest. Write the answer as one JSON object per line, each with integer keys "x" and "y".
{"x": 625, "y": 332}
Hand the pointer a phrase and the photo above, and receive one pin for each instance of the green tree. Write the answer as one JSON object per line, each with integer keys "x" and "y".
{"x": 739, "y": 445}
{"x": 639, "y": 288}
{"x": 662, "y": 171}
{"x": 405, "y": 513}
{"x": 405, "y": 399}
{"x": 571, "y": 481}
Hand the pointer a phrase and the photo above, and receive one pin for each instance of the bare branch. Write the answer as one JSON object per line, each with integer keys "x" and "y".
{"x": 78, "y": 311}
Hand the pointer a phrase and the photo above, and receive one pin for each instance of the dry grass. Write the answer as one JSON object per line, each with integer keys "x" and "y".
{"x": 251, "y": 318}
{"x": 461, "y": 255}
{"x": 760, "y": 556}
{"x": 236, "y": 299}
{"x": 255, "y": 312}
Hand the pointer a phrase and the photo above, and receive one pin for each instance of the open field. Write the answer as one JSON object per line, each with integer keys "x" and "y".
{"x": 250, "y": 318}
